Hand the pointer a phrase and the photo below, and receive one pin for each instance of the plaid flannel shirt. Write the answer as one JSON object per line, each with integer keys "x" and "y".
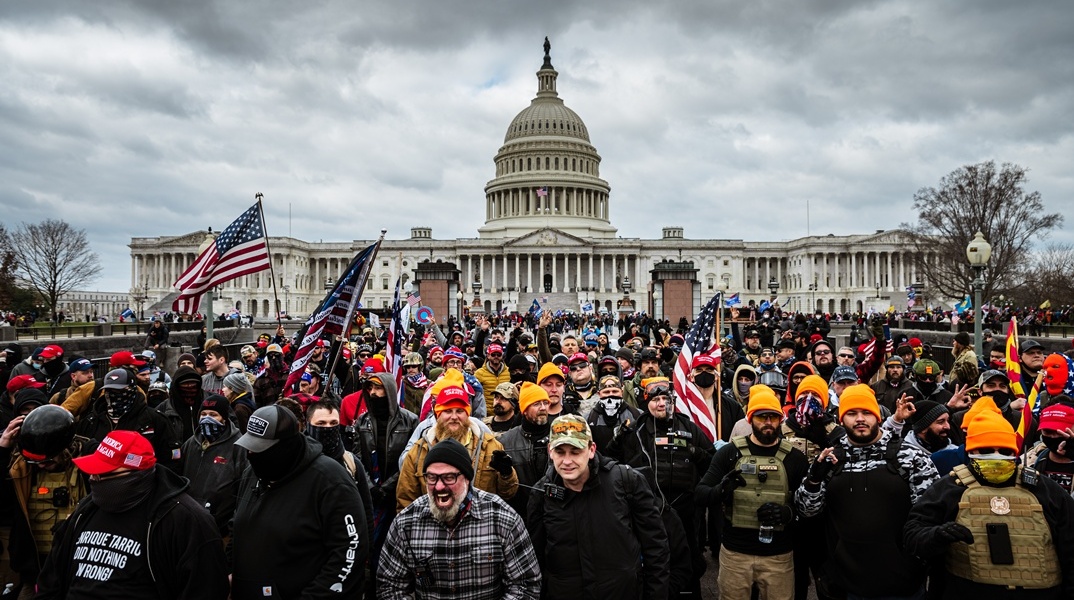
{"x": 488, "y": 555}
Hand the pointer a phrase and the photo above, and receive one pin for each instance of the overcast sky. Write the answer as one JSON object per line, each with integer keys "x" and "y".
{"x": 725, "y": 117}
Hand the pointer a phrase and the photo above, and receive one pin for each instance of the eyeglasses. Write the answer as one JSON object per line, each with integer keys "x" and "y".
{"x": 768, "y": 416}
{"x": 846, "y": 356}
{"x": 447, "y": 478}
{"x": 413, "y": 366}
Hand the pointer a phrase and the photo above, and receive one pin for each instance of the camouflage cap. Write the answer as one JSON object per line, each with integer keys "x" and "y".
{"x": 570, "y": 429}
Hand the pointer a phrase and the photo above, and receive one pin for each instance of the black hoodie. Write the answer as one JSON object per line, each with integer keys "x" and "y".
{"x": 182, "y": 416}
{"x": 301, "y": 536}
{"x": 184, "y": 551}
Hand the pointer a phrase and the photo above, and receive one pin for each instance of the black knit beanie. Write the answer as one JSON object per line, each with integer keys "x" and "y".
{"x": 926, "y": 414}
{"x": 450, "y": 452}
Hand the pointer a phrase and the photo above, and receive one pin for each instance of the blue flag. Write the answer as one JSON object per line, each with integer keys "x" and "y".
{"x": 732, "y": 301}
{"x": 965, "y": 305}
{"x": 127, "y": 313}
{"x": 535, "y": 309}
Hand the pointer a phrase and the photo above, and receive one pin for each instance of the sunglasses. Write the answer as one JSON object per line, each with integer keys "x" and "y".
{"x": 846, "y": 356}
{"x": 578, "y": 367}
{"x": 822, "y": 352}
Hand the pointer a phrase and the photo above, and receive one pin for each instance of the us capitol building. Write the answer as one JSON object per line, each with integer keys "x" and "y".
{"x": 548, "y": 236}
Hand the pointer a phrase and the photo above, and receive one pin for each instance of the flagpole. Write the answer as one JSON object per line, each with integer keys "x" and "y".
{"x": 719, "y": 394}
{"x": 354, "y": 305}
{"x": 272, "y": 271}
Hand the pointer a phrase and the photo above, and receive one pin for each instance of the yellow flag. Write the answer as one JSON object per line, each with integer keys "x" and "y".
{"x": 1046, "y": 304}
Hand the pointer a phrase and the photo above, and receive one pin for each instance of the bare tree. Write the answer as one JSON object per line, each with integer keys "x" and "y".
{"x": 1046, "y": 278}
{"x": 54, "y": 258}
{"x": 7, "y": 271}
{"x": 978, "y": 198}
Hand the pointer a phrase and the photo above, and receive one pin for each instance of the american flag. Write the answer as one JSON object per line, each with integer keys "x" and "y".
{"x": 542, "y": 191}
{"x": 393, "y": 352}
{"x": 330, "y": 318}
{"x": 701, "y": 339}
{"x": 241, "y": 249}
{"x": 413, "y": 299}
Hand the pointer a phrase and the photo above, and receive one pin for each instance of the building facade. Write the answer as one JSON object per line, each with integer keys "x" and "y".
{"x": 548, "y": 236}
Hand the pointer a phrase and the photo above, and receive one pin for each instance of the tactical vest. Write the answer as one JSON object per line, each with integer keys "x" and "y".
{"x": 674, "y": 469}
{"x": 41, "y": 507}
{"x": 1036, "y": 565}
{"x": 766, "y": 481}
{"x": 807, "y": 447}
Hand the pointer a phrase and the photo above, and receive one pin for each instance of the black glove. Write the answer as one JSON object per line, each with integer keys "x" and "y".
{"x": 501, "y": 461}
{"x": 624, "y": 429}
{"x": 774, "y": 514}
{"x": 877, "y": 329}
{"x": 377, "y": 494}
{"x": 819, "y": 470}
{"x": 729, "y": 484}
{"x": 952, "y": 532}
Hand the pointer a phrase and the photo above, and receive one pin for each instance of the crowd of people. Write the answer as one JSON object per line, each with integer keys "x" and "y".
{"x": 539, "y": 457}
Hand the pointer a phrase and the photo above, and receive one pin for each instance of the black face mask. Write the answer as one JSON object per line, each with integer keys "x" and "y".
{"x": 519, "y": 376}
{"x": 278, "y": 461}
{"x": 330, "y": 438}
{"x": 120, "y": 494}
{"x": 705, "y": 380}
{"x": 120, "y": 402}
{"x": 53, "y": 368}
{"x": 1003, "y": 399}
{"x": 1052, "y": 443}
{"x": 211, "y": 429}
{"x": 927, "y": 387}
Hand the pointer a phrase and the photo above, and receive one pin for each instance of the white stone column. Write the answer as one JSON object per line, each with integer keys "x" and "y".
{"x": 529, "y": 272}
{"x": 589, "y": 282}
{"x": 602, "y": 288}
{"x": 518, "y": 278}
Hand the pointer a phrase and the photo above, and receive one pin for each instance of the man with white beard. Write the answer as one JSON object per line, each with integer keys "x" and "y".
{"x": 457, "y": 541}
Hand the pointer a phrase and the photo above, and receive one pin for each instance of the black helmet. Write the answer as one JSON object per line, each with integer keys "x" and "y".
{"x": 46, "y": 432}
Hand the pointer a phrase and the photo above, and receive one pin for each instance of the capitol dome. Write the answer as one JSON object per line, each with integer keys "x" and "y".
{"x": 547, "y": 171}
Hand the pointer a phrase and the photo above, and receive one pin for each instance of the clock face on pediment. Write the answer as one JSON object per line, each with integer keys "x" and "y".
{"x": 548, "y": 237}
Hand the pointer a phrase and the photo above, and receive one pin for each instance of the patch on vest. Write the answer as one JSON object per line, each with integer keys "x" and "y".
{"x": 1000, "y": 505}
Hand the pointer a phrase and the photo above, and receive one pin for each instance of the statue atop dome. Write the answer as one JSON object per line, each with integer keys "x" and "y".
{"x": 547, "y": 57}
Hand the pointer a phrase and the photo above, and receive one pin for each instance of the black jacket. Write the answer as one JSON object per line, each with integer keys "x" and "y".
{"x": 528, "y": 447}
{"x": 183, "y": 418}
{"x": 301, "y": 535}
{"x": 637, "y": 448}
{"x": 607, "y": 541}
{"x": 184, "y": 551}
{"x": 95, "y": 425}
{"x": 401, "y": 424}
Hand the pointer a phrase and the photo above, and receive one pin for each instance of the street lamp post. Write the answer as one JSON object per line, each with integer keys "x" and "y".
{"x": 773, "y": 287}
{"x": 979, "y": 251}
{"x": 813, "y": 295}
{"x": 458, "y": 303}
{"x": 877, "y": 290}
{"x": 656, "y": 300}
{"x": 287, "y": 300}
{"x": 145, "y": 297}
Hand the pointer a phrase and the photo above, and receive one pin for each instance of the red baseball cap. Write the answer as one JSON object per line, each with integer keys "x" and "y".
{"x": 373, "y": 365}
{"x": 704, "y": 360}
{"x": 451, "y": 397}
{"x": 577, "y": 357}
{"x": 320, "y": 343}
{"x": 495, "y": 349}
{"x": 51, "y": 351}
{"x": 119, "y": 449}
{"x": 1057, "y": 417}
{"x": 125, "y": 358}
{"x": 22, "y": 382}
